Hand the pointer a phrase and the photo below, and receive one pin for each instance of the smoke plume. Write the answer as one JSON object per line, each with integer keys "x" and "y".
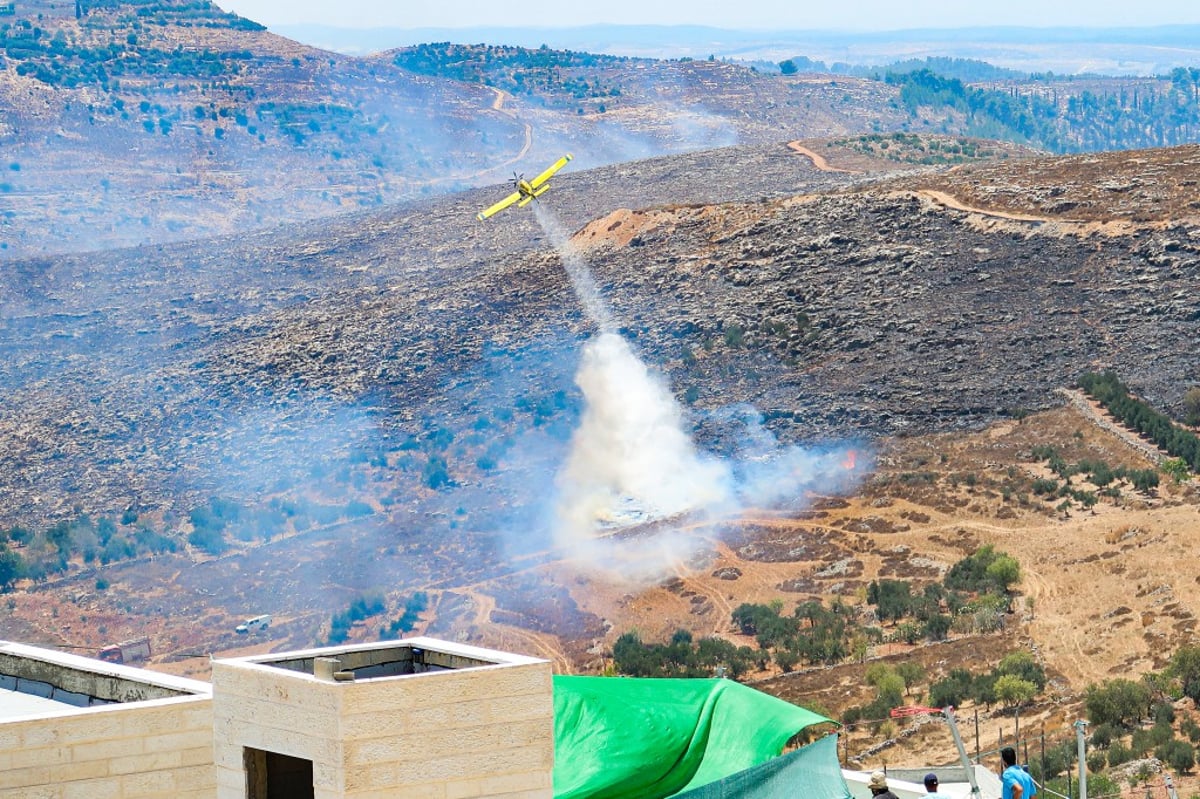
{"x": 632, "y": 460}
{"x": 630, "y": 452}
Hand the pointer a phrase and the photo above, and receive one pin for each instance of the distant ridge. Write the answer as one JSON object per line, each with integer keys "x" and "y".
{"x": 698, "y": 41}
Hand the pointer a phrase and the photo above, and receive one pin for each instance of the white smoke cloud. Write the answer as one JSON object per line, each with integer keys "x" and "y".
{"x": 632, "y": 460}
{"x": 630, "y": 452}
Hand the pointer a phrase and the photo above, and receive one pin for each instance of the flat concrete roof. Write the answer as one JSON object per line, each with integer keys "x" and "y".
{"x": 36, "y": 681}
{"x": 398, "y": 658}
{"x": 15, "y": 705}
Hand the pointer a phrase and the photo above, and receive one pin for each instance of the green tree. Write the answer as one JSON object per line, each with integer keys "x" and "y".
{"x": 1185, "y": 667}
{"x": 1004, "y": 571}
{"x": 912, "y": 673}
{"x": 1191, "y": 406}
{"x": 1012, "y": 691}
{"x": 938, "y": 626}
{"x": 1021, "y": 664}
{"x": 952, "y": 690}
{"x": 209, "y": 539}
{"x": 1176, "y": 469}
{"x": 877, "y": 673}
{"x": 1117, "y": 702}
{"x": 972, "y": 572}
{"x": 892, "y": 597}
{"x": 1103, "y": 735}
{"x": 1118, "y": 754}
{"x": 890, "y": 690}
{"x": 12, "y": 568}
{"x": 1179, "y": 755}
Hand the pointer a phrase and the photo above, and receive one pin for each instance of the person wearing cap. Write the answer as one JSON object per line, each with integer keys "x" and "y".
{"x": 931, "y": 787}
{"x": 1015, "y": 781}
{"x": 879, "y": 788}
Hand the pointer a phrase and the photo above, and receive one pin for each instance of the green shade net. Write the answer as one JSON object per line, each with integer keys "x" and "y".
{"x": 812, "y": 772}
{"x": 632, "y": 738}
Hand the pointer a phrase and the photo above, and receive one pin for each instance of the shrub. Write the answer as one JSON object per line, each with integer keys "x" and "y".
{"x": 208, "y": 539}
{"x": 1179, "y": 755}
{"x": 1163, "y": 713}
{"x": 1140, "y": 743}
{"x": 1116, "y": 702}
{"x": 1118, "y": 754}
{"x": 1103, "y": 735}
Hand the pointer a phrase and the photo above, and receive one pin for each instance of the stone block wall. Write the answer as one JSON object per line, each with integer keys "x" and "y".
{"x": 161, "y": 749}
{"x": 451, "y": 734}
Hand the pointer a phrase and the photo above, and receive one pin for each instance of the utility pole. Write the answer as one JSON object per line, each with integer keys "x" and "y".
{"x": 948, "y": 712}
{"x": 976, "y": 735}
{"x": 1080, "y": 740}
{"x": 1044, "y": 774}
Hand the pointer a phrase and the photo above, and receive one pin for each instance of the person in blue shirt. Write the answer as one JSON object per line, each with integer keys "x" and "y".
{"x": 1015, "y": 781}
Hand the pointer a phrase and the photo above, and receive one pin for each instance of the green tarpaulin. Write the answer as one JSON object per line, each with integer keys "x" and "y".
{"x": 812, "y": 772}
{"x": 629, "y": 738}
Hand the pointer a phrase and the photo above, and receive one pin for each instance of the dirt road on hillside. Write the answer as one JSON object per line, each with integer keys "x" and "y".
{"x": 818, "y": 160}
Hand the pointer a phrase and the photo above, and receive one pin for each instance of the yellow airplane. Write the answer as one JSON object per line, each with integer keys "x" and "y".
{"x": 526, "y": 190}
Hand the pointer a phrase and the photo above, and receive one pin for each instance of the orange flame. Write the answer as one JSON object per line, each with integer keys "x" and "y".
{"x": 851, "y": 458}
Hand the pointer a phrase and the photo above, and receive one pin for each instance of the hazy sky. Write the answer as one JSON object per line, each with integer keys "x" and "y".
{"x": 749, "y": 14}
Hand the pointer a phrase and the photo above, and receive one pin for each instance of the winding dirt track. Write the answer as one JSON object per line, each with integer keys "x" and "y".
{"x": 722, "y": 610}
{"x": 498, "y": 105}
{"x": 516, "y": 639}
{"x": 949, "y": 201}
{"x": 818, "y": 161}
{"x": 946, "y": 200}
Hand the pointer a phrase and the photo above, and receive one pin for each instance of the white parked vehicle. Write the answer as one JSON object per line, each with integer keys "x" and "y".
{"x": 257, "y": 624}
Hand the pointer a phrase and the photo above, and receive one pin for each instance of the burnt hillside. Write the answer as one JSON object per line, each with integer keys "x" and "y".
{"x": 385, "y": 399}
{"x": 856, "y": 309}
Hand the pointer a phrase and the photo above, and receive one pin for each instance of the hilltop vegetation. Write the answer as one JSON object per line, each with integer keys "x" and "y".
{"x": 909, "y": 148}
{"x": 1063, "y": 114}
{"x": 962, "y": 69}
{"x": 556, "y": 77}
{"x": 970, "y": 600}
{"x": 208, "y": 98}
{"x": 1057, "y": 113}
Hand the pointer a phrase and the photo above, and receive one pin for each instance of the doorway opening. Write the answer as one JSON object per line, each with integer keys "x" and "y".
{"x": 270, "y": 775}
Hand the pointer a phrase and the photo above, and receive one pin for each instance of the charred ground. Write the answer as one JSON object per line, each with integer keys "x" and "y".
{"x": 397, "y": 387}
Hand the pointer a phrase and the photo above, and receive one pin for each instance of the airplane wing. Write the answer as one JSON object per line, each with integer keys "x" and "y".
{"x": 500, "y": 206}
{"x": 557, "y": 165}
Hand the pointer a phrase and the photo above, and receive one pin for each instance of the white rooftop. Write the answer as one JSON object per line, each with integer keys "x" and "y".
{"x": 15, "y": 704}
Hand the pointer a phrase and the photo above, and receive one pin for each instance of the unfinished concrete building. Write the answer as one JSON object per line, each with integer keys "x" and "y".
{"x": 410, "y": 718}
{"x": 72, "y": 727}
{"x": 419, "y": 718}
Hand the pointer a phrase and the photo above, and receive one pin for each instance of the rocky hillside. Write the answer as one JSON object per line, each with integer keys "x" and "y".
{"x": 144, "y": 121}
{"x": 396, "y": 388}
{"x": 836, "y": 307}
